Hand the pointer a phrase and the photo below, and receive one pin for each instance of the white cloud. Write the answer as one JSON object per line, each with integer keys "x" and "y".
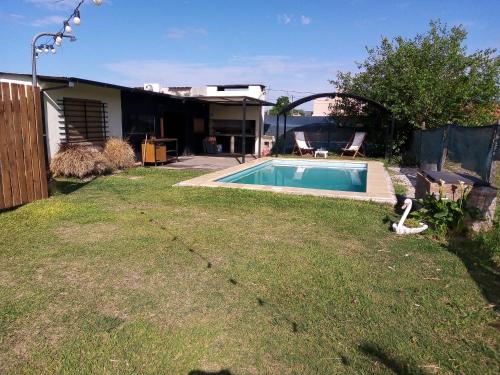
{"x": 61, "y": 4}
{"x": 55, "y": 4}
{"x": 49, "y": 20}
{"x": 305, "y": 20}
{"x": 44, "y": 21}
{"x": 12, "y": 17}
{"x": 276, "y": 72}
{"x": 181, "y": 33}
{"x": 284, "y": 18}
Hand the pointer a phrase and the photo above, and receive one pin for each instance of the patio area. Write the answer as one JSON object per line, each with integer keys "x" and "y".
{"x": 207, "y": 162}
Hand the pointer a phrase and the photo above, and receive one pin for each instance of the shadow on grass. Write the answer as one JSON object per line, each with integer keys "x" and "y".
{"x": 397, "y": 365}
{"x": 477, "y": 257}
{"x": 394, "y": 216}
{"x": 201, "y": 372}
{"x": 66, "y": 186}
{"x": 261, "y": 302}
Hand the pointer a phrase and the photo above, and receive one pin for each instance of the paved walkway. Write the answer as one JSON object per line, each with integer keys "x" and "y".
{"x": 206, "y": 162}
{"x": 407, "y": 177}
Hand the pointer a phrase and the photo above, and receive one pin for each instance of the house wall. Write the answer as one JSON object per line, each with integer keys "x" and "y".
{"x": 222, "y": 112}
{"x": 11, "y": 78}
{"x": 322, "y": 106}
{"x": 112, "y": 97}
{"x": 253, "y": 91}
{"x": 81, "y": 91}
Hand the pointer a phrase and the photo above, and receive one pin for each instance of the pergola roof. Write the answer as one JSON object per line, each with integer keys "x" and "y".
{"x": 234, "y": 100}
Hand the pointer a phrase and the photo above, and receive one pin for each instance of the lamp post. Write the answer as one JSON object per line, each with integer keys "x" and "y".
{"x": 55, "y": 39}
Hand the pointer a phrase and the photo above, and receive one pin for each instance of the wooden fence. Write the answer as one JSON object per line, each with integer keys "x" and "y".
{"x": 23, "y": 174}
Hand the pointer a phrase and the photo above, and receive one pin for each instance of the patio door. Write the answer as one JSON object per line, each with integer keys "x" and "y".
{"x": 175, "y": 126}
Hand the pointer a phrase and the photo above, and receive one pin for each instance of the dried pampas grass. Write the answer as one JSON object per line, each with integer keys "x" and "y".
{"x": 119, "y": 153}
{"x": 79, "y": 161}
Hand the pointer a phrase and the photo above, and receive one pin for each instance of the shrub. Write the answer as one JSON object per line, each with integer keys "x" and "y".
{"x": 79, "y": 161}
{"x": 441, "y": 214}
{"x": 119, "y": 153}
{"x": 489, "y": 242}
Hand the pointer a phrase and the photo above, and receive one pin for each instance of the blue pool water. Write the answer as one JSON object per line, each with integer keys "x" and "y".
{"x": 309, "y": 174}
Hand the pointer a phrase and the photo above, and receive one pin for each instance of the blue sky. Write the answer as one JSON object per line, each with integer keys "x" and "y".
{"x": 286, "y": 44}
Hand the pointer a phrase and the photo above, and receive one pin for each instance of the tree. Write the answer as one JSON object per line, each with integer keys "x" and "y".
{"x": 298, "y": 112}
{"x": 430, "y": 80}
{"x": 281, "y": 103}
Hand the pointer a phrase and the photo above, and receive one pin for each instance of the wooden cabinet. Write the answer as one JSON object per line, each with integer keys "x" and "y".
{"x": 153, "y": 153}
{"x": 155, "y": 150}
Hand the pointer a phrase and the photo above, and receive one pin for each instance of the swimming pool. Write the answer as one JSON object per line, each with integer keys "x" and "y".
{"x": 364, "y": 180}
{"x": 309, "y": 174}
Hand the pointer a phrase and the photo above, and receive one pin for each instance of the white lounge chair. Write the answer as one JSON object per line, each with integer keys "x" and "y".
{"x": 355, "y": 145}
{"x": 301, "y": 145}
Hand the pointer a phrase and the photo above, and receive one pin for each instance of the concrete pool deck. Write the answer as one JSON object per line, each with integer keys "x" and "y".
{"x": 378, "y": 183}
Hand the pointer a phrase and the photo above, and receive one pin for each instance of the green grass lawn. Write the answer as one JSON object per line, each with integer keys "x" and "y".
{"x": 129, "y": 275}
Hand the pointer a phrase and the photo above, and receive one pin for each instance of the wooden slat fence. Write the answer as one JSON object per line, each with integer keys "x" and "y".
{"x": 23, "y": 174}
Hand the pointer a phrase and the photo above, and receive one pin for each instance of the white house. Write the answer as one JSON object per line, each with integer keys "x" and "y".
{"x": 225, "y": 116}
{"x": 77, "y": 110}
{"x": 66, "y": 99}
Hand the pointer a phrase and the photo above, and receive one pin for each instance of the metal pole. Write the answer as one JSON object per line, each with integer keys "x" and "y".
{"x": 259, "y": 145}
{"x": 33, "y": 63}
{"x": 243, "y": 130}
{"x": 34, "y": 79}
{"x": 491, "y": 167}
{"x": 444, "y": 148}
{"x": 277, "y": 135}
{"x": 284, "y": 136}
{"x": 388, "y": 150}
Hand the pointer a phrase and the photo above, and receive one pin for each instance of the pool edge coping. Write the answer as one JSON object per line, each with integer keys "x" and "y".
{"x": 378, "y": 182}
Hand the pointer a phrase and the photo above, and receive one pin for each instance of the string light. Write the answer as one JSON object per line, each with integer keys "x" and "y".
{"x": 58, "y": 40}
{"x": 55, "y": 39}
{"x": 67, "y": 27}
{"x": 76, "y": 18}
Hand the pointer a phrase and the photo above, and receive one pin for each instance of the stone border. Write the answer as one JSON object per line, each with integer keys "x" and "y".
{"x": 378, "y": 183}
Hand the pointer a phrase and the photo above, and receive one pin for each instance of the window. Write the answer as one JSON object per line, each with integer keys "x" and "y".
{"x": 85, "y": 121}
{"x": 198, "y": 126}
{"x": 139, "y": 125}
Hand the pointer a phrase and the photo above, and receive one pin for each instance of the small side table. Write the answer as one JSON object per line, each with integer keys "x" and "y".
{"x": 323, "y": 153}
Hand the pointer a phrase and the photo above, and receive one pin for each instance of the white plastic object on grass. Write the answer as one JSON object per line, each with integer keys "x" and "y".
{"x": 400, "y": 228}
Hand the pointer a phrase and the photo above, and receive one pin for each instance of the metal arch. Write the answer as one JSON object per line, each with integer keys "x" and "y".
{"x": 332, "y": 95}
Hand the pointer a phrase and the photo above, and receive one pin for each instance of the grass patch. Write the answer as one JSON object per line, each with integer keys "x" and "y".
{"x": 132, "y": 275}
{"x": 399, "y": 188}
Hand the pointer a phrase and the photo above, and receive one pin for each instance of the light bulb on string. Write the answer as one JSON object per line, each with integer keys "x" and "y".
{"x": 67, "y": 27}
{"x": 76, "y": 18}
